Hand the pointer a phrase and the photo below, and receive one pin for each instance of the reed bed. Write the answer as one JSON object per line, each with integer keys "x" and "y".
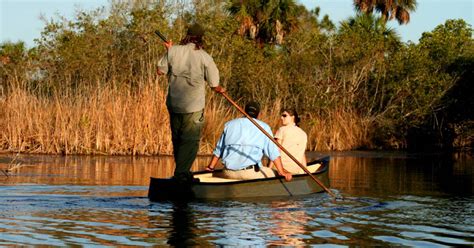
{"x": 340, "y": 130}
{"x": 106, "y": 121}
{"x": 112, "y": 121}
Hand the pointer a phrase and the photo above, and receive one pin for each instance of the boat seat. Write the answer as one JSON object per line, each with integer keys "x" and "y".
{"x": 209, "y": 178}
{"x": 312, "y": 168}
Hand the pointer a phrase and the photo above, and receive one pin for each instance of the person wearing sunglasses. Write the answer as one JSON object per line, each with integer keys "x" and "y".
{"x": 293, "y": 139}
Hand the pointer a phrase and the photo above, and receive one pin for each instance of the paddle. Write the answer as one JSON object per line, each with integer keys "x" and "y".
{"x": 163, "y": 38}
{"x": 278, "y": 145}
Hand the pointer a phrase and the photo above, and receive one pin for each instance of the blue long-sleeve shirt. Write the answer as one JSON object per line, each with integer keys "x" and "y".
{"x": 243, "y": 144}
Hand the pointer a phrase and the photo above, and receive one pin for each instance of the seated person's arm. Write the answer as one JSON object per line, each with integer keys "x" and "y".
{"x": 212, "y": 164}
{"x": 271, "y": 164}
{"x": 281, "y": 171}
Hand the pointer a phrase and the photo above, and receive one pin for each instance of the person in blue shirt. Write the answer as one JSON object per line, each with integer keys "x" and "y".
{"x": 241, "y": 147}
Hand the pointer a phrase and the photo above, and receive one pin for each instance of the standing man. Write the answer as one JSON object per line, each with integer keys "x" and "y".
{"x": 188, "y": 67}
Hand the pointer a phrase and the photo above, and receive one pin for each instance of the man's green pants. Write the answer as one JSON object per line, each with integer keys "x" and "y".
{"x": 185, "y": 134}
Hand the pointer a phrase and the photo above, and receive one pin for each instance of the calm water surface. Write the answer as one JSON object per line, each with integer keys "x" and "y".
{"x": 384, "y": 199}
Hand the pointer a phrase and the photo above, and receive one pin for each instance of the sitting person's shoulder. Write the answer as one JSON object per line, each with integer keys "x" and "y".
{"x": 263, "y": 124}
{"x": 234, "y": 121}
{"x": 284, "y": 128}
{"x": 301, "y": 131}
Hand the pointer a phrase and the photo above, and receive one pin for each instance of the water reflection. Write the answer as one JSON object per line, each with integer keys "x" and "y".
{"x": 399, "y": 173}
{"x": 182, "y": 226}
{"x": 57, "y": 220}
{"x": 289, "y": 220}
{"x": 390, "y": 199}
{"x": 354, "y": 173}
{"x": 90, "y": 170}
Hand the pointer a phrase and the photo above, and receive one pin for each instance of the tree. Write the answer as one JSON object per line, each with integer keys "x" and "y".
{"x": 266, "y": 21}
{"x": 13, "y": 63}
{"x": 363, "y": 45}
{"x": 448, "y": 41}
{"x": 369, "y": 25}
{"x": 390, "y": 9}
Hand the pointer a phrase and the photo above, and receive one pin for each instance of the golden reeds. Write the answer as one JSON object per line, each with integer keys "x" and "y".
{"x": 105, "y": 122}
{"x": 124, "y": 122}
{"x": 340, "y": 130}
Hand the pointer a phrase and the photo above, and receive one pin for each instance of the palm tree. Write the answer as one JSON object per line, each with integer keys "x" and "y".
{"x": 265, "y": 20}
{"x": 390, "y": 9}
{"x": 368, "y": 26}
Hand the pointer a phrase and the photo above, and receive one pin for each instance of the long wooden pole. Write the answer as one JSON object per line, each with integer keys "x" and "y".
{"x": 278, "y": 144}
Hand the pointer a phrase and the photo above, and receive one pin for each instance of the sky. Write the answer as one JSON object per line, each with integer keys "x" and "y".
{"x": 20, "y": 19}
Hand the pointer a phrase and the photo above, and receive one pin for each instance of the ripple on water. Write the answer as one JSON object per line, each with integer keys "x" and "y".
{"x": 406, "y": 242}
{"x": 62, "y": 216}
{"x": 328, "y": 234}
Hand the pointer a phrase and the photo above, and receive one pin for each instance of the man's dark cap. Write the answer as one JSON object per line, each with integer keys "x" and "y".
{"x": 195, "y": 30}
{"x": 252, "y": 108}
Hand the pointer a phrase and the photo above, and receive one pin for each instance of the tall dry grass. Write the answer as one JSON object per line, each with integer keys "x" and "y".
{"x": 340, "y": 130}
{"x": 107, "y": 121}
{"x": 123, "y": 122}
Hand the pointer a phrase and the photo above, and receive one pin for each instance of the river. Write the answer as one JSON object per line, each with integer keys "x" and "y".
{"x": 384, "y": 199}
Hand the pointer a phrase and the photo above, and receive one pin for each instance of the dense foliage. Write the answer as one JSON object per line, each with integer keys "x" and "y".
{"x": 284, "y": 53}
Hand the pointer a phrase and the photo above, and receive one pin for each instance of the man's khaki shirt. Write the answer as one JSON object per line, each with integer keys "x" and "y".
{"x": 188, "y": 69}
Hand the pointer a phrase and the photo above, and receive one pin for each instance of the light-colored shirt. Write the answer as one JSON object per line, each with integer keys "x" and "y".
{"x": 242, "y": 144}
{"x": 294, "y": 140}
{"x": 187, "y": 70}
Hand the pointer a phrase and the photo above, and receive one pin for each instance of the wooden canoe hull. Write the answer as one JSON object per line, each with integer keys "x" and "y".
{"x": 167, "y": 189}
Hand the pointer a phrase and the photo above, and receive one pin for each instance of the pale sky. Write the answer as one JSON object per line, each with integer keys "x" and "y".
{"x": 428, "y": 14}
{"x": 19, "y": 19}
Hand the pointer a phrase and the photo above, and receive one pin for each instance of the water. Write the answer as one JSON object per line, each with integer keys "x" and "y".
{"x": 384, "y": 199}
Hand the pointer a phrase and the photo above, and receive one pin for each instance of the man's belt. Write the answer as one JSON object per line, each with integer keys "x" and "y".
{"x": 254, "y": 166}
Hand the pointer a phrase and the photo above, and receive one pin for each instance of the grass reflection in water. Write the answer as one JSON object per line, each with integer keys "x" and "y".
{"x": 100, "y": 202}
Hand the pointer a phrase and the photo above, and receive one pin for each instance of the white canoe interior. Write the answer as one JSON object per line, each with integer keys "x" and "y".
{"x": 209, "y": 178}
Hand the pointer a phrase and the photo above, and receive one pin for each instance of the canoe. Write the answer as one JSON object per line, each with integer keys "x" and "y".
{"x": 212, "y": 187}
